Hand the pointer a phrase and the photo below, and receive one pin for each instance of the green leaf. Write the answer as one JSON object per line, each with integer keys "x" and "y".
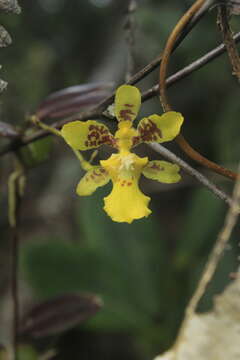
{"x": 27, "y": 352}
{"x": 201, "y": 224}
{"x": 36, "y": 152}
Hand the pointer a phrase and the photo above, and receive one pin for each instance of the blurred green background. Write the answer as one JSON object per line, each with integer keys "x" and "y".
{"x": 145, "y": 272}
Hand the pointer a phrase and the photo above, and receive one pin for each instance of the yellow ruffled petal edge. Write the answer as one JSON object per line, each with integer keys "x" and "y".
{"x": 162, "y": 171}
{"x": 93, "y": 179}
{"x": 127, "y": 103}
{"x": 162, "y": 128}
{"x": 126, "y": 203}
{"x": 84, "y": 135}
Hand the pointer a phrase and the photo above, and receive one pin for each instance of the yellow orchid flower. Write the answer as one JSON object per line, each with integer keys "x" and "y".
{"x": 126, "y": 202}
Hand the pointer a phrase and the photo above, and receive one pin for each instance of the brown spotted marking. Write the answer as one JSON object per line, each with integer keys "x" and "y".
{"x": 125, "y": 183}
{"x": 149, "y": 131}
{"x": 98, "y": 135}
{"x": 97, "y": 175}
{"x": 128, "y": 105}
{"x": 156, "y": 167}
{"x": 126, "y": 114}
{"x": 136, "y": 140}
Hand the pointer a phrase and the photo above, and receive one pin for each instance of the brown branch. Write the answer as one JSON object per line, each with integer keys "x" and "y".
{"x": 130, "y": 27}
{"x": 16, "y": 144}
{"x": 191, "y": 171}
{"x": 195, "y": 155}
{"x": 16, "y": 185}
{"x": 181, "y": 25}
{"x": 141, "y": 74}
{"x": 228, "y": 40}
{"x": 96, "y": 113}
{"x": 14, "y": 290}
{"x": 189, "y": 69}
{"x": 182, "y": 142}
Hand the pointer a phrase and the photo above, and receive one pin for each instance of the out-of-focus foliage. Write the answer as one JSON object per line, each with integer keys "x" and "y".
{"x": 144, "y": 272}
{"x": 35, "y": 153}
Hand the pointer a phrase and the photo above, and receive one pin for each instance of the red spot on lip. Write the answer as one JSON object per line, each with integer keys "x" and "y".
{"x": 129, "y": 183}
{"x": 123, "y": 183}
{"x": 129, "y": 105}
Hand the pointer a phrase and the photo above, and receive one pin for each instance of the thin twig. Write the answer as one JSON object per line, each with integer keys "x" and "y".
{"x": 228, "y": 40}
{"x": 130, "y": 37}
{"x": 15, "y": 145}
{"x": 191, "y": 171}
{"x": 216, "y": 254}
{"x": 189, "y": 69}
{"x": 16, "y": 186}
{"x": 141, "y": 74}
{"x": 181, "y": 141}
{"x": 15, "y": 292}
{"x": 178, "y": 29}
{"x": 96, "y": 113}
{"x": 158, "y": 148}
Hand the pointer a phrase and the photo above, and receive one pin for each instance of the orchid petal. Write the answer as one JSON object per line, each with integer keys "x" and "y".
{"x": 85, "y": 135}
{"x": 127, "y": 103}
{"x": 162, "y": 171}
{"x": 159, "y": 129}
{"x": 93, "y": 179}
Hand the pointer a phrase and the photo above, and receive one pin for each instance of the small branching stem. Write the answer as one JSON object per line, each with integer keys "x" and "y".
{"x": 16, "y": 186}
{"x": 228, "y": 40}
{"x": 130, "y": 27}
{"x": 189, "y": 69}
{"x": 192, "y": 172}
{"x": 182, "y": 142}
{"x": 86, "y": 165}
{"x": 98, "y": 112}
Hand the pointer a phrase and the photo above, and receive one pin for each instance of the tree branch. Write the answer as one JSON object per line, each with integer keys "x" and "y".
{"x": 189, "y": 69}
{"x": 181, "y": 141}
{"x": 228, "y": 40}
{"x": 191, "y": 171}
{"x": 97, "y": 112}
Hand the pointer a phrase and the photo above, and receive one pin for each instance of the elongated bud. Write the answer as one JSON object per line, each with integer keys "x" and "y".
{"x": 59, "y": 314}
